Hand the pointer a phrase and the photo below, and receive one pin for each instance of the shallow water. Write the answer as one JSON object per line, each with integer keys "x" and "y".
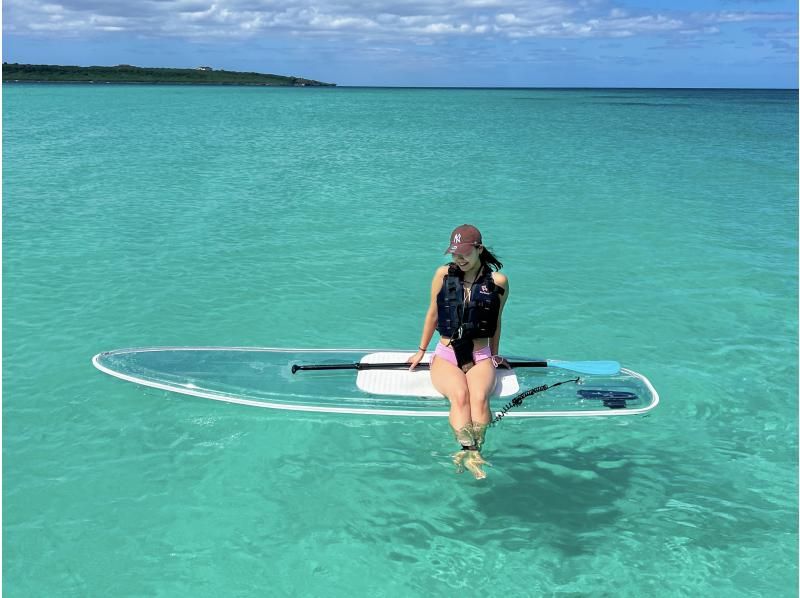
{"x": 655, "y": 227}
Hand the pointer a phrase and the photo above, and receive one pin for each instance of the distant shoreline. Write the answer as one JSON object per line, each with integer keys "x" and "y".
{"x": 408, "y": 87}
{"x": 14, "y": 73}
{"x": 132, "y": 75}
{"x": 164, "y": 83}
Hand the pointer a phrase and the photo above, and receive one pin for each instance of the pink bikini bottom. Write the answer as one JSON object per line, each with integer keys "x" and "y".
{"x": 448, "y": 354}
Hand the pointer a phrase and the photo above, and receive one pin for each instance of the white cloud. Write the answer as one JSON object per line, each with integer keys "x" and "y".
{"x": 740, "y": 17}
{"x": 507, "y": 18}
{"x": 384, "y": 19}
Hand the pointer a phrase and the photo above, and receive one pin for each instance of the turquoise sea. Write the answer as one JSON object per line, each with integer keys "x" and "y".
{"x": 654, "y": 227}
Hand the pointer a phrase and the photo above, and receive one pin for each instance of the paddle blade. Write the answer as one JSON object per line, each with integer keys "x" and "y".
{"x": 601, "y": 368}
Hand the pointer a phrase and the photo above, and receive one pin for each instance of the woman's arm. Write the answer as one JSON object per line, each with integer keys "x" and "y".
{"x": 502, "y": 281}
{"x": 431, "y": 317}
{"x": 429, "y": 327}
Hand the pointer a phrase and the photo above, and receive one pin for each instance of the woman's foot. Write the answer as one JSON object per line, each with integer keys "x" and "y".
{"x": 471, "y": 438}
{"x": 472, "y": 460}
{"x": 474, "y": 463}
{"x": 458, "y": 460}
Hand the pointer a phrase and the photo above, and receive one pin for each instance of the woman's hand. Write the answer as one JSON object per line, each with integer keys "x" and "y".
{"x": 415, "y": 359}
{"x": 501, "y": 362}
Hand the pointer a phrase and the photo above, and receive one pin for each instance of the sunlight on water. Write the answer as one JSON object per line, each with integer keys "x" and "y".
{"x": 657, "y": 228}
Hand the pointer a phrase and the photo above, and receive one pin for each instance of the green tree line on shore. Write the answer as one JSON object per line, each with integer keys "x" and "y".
{"x": 125, "y": 73}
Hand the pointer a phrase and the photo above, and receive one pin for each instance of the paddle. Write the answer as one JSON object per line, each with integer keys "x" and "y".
{"x": 601, "y": 368}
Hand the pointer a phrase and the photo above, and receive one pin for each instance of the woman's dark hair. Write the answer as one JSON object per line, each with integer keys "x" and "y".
{"x": 488, "y": 260}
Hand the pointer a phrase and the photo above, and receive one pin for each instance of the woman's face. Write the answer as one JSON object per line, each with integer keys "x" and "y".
{"x": 468, "y": 261}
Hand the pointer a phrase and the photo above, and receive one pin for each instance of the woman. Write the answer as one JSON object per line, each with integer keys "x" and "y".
{"x": 467, "y": 300}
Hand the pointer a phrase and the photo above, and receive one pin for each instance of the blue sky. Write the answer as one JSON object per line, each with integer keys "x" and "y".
{"x": 527, "y": 43}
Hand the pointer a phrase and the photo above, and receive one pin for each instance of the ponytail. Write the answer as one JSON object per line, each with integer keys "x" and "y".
{"x": 488, "y": 259}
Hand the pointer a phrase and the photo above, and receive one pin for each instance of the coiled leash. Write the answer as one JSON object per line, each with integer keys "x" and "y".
{"x": 517, "y": 400}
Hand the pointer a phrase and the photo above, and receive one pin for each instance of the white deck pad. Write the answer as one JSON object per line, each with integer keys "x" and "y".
{"x": 417, "y": 383}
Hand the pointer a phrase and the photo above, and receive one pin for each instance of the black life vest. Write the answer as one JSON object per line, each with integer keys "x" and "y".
{"x": 476, "y": 318}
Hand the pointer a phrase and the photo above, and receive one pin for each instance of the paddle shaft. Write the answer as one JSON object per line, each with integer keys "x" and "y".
{"x": 396, "y": 366}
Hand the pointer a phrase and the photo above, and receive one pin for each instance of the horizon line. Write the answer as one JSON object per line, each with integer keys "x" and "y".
{"x": 454, "y": 87}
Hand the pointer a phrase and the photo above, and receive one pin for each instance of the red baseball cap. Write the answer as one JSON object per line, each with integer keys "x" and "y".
{"x": 464, "y": 238}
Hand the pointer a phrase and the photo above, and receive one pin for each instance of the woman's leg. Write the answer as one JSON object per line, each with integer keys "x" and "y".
{"x": 457, "y": 386}
{"x": 449, "y": 380}
{"x": 480, "y": 384}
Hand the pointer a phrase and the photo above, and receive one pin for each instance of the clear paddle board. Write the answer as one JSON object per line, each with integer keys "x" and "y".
{"x": 264, "y": 377}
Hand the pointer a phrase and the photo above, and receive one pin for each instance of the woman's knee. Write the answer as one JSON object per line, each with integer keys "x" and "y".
{"x": 459, "y": 397}
{"x": 479, "y": 400}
